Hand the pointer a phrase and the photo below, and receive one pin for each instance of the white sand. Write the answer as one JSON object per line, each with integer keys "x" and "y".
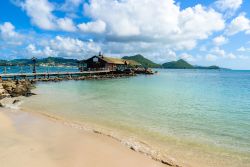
{"x": 27, "y": 140}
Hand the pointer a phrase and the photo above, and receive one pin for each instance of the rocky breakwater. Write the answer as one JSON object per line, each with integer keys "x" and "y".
{"x": 11, "y": 89}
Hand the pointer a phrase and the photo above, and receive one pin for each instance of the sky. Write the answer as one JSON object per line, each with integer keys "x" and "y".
{"x": 203, "y": 32}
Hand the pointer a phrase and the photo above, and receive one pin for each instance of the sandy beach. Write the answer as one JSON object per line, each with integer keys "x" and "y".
{"x": 26, "y": 140}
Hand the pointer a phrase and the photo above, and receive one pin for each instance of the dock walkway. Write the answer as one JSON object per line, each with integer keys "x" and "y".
{"x": 51, "y": 74}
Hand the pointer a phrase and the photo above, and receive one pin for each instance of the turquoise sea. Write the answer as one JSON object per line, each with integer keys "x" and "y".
{"x": 194, "y": 116}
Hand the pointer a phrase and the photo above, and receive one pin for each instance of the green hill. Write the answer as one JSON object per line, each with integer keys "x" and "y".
{"x": 57, "y": 61}
{"x": 209, "y": 67}
{"x": 143, "y": 61}
{"x": 180, "y": 64}
{"x": 50, "y": 61}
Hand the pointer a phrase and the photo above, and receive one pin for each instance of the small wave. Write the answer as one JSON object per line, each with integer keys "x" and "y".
{"x": 12, "y": 103}
{"x": 131, "y": 143}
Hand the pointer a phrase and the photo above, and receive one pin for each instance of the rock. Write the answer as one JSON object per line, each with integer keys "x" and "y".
{"x": 30, "y": 94}
{"x": 16, "y": 88}
{"x": 1, "y": 105}
{"x": 16, "y": 101}
{"x": 3, "y": 92}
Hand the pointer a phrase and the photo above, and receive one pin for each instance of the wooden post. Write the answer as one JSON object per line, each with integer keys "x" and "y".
{"x": 34, "y": 64}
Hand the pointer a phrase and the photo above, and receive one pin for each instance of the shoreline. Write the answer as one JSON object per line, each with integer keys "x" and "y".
{"x": 136, "y": 148}
{"x": 148, "y": 149}
{"x": 135, "y": 145}
{"x": 27, "y": 126}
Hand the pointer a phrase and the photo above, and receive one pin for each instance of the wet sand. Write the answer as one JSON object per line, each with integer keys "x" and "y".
{"x": 28, "y": 140}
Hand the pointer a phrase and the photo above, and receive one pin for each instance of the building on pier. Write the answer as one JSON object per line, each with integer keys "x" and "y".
{"x": 102, "y": 62}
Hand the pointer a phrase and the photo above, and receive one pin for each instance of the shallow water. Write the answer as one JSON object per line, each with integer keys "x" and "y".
{"x": 202, "y": 111}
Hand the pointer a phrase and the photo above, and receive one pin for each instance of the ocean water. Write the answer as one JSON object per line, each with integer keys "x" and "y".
{"x": 195, "y": 116}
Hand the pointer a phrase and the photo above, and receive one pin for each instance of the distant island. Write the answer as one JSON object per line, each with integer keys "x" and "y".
{"x": 143, "y": 61}
{"x": 180, "y": 64}
{"x": 49, "y": 61}
{"x": 59, "y": 61}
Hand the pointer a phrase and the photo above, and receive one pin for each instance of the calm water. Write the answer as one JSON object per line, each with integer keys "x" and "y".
{"x": 191, "y": 108}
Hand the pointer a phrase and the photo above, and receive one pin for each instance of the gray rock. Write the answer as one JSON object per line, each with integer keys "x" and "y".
{"x": 16, "y": 101}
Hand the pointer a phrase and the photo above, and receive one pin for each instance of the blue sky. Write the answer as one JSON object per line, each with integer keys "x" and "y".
{"x": 201, "y": 32}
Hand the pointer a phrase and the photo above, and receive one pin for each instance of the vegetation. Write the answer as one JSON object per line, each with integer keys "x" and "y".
{"x": 50, "y": 61}
{"x": 209, "y": 67}
{"x": 180, "y": 64}
{"x": 143, "y": 61}
{"x": 59, "y": 61}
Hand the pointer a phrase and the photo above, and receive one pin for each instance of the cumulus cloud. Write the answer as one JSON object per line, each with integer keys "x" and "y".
{"x": 231, "y": 56}
{"x": 41, "y": 14}
{"x": 220, "y": 40}
{"x": 188, "y": 57}
{"x": 210, "y": 57}
{"x": 64, "y": 47}
{"x": 8, "y": 31}
{"x": 238, "y": 24}
{"x": 93, "y": 27}
{"x": 32, "y": 50}
{"x": 71, "y": 5}
{"x": 232, "y": 5}
{"x": 243, "y": 49}
{"x": 66, "y": 24}
{"x": 9, "y": 35}
{"x": 220, "y": 53}
{"x": 154, "y": 21}
{"x": 217, "y": 51}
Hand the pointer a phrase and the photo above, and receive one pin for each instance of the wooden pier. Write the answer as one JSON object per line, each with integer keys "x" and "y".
{"x": 51, "y": 74}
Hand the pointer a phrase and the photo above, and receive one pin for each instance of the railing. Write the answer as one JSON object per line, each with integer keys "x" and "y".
{"x": 47, "y": 74}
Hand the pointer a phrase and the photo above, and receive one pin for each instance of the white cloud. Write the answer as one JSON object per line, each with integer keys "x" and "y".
{"x": 220, "y": 53}
{"x": 72, "y": 47}
{"x": 231, "y": 56}
{"x": 9, "y": 35}
{"x": 7, "y": 31}
{"x": 241, "y": 49}
{"x": 64, "y": 47}
{"x": 220, "y": 40}
{"x": 41, "y": 14}
{"x": 93, "y": 27}
{"x": 71, "y": 5}
{"x": 47, "y": 51}
{"x": 188, "y": 57}
{"x": 155, "y": 21}
{"x": 33, "y": 51}
{"x": 217, "y": 51}
{"x": 228, "y": 4}
{"x": 238, "y": 24}
{"x": 66, "y": 24}
{"x": 211, "y": 57}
